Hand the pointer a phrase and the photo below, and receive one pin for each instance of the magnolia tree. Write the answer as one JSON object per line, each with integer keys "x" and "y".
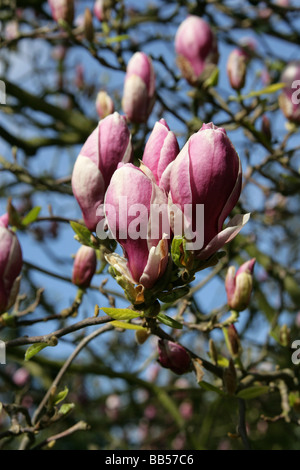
{"x": 149, "y": 256}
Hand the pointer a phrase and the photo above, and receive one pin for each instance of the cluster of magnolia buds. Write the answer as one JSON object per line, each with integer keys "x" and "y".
{"x": 118, "y": 196}
{"x": 10, "y": 265}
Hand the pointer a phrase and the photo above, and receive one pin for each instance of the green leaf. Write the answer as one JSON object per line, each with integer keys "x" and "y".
{"x": 83, "y": 234}
{"x": 31, "y": 216}
{"x": 169, "y": 321}
{"x": 121, "y": 313}
{"x": 181, "y": 257}
{"x": 265, "y": 91}
{"x": 210, "y": 388}
{"x": 37, "y": 347}
{"x": 34, "y": 349}
{"x": 60, "y": 396}
{"x": 66, "y": 408}
{"x": 253, "y": 392}
{"x": 127, "y": 326}
{"x": 213, "y": 79}
{"x": 114, "y": 39}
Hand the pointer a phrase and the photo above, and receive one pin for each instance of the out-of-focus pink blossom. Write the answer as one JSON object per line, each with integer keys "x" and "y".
{"x": 139, "y": 88}
{"x": 196, "y": 48}
{"x": 62, "y": 10}
{"x": 104, "y": 104}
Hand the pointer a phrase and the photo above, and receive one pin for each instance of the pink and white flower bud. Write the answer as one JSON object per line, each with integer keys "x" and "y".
{"x": 99, "y": 10}
{"x": 4, "y": 220}
{"x": 239, "y": 285}
{"x": 128, "y": 208}
{"x": 62, "y": 10}
{"x": 11, "y": 30}
{"x": 160, "y": 150}
{"x": 196, "y": 48}
{"x": 237, "y": 68}
{"x": 139, "y": 88}
{"x": 107, "y": 146}
{"x": 10, "y": 266}
{"x": 289, "y": 99}
{"x": 84, "y": 266}
{"x": 104, "y": 104}
{"x": 173, "y": 356}
{"x": 21, "y": 377}
{"x": 207, "y": 172}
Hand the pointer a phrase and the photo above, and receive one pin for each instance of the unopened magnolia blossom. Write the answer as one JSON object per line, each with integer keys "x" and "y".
{"x": 104, "y": 104}
{"x": 10, "y": 265}
{"x": 145, "y": 250}
{"x": 84, "y": 266}
{"x": 239, "y": 285}
{"x": 207, "y": 172}
{"x": 173, "y": 356}
{"x": 196, "y": 48}
{"x": 106, "y": 147}
{"x": 160, "y": 150}
{"x": 139, "y": 88}
{"x": 236, "y": 68}
{"x": 62, "y": 10}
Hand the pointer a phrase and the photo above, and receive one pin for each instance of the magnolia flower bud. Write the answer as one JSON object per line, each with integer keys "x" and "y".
{"x": 62, "y": 10}
{"x": 173, "y": 356}
{"x": 84, "y": 266}
{"x": 10, "y": 266}
{"x": 196, "y": 48}
{"x": 266, "y": 127}
{"x": 206, "y": 174}
{"x": 139, "y": 88}
{"x": 234, "y": 343}
{"x": 88, "y": 25}
{"x": 236, "y": 68}
{"x": 160, "y": 150}
{"x": 239, "y": 286}
{"x": 145, "y": 246}
{"x": 108, "y": 145}
{"x": 99, "y": 9}
{"x": 104, "y": 104}
{"x": 289, "y": 99}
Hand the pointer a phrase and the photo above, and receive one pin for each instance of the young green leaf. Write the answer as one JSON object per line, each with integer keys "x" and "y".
{"x": 127, "y": 326}
{"x": 60, "y": 396}
{"x": 66, "y": 408}
{"x": 253, "y": 392}
{"x": 83, "y": 234}
{"x": 169, "y": 321}
{"x": 121, "y": 313}
{"x": 34, "y": 349}
{"x": 31, "y": 216}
